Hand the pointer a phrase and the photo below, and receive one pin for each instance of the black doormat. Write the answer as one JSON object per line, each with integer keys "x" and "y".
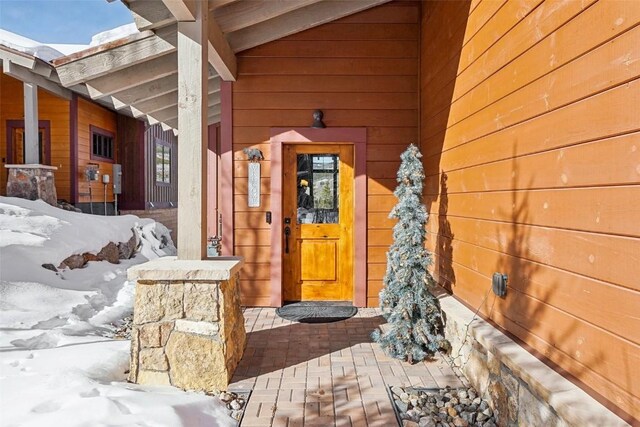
{"x": 317, "y": 311}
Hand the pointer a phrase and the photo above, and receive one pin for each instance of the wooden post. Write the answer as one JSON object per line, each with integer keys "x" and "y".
{"x": 31, "y": 139}
{"x": 193, "y": 144}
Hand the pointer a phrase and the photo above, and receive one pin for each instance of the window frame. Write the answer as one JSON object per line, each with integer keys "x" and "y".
{"x": 166, "y": 146}
{"x": 94, "y": 130}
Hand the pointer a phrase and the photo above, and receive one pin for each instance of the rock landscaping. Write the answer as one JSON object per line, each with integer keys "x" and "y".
{"x": 442, "y": 408}
{"x": 235, "y": 403}
{"x": 111, "y": 252}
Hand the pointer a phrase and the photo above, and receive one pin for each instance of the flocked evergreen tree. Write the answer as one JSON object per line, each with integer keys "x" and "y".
{"x": 415, "y": 329}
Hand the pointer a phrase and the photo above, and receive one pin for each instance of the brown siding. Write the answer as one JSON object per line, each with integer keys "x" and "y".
{"x": 90, "y": 114}
{"x": 530, "y": 131}
{"x": 51, "y": 108}
{"x": 131, "y": 155}
{"x": 160, "y": 195}
{"x": 362, "y": 71}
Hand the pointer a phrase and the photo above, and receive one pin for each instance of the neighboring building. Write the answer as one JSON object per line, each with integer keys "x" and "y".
{"x": 527, "y": 116}
{"x": 76, "y": 134}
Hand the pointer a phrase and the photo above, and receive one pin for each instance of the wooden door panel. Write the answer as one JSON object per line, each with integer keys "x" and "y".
{"x": 317, "y": 209}
{"x": 318, "y": 259}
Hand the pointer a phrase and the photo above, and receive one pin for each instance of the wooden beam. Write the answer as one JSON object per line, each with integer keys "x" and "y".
{"x": 19, "y": 58}
{"x": 193, "y": 42}
{"x": 237, "y": 16}
{"x": 171, "y": 112}
{"x": 25, "y": 75}
{"x": 133, "y": 76}
{"x": 182, "y": 10}
{"x": 215, "y": 4}
{"x": 111, "y": 59}
{"x": 150, "y": 14}
{"x": 148, "y": 91}
{"x": 31, "y": 150}
{"x": 296, "y": 21}
{"x": 212, "y": 119}
{"x": 160, "y": 102}
{"x": 220, "y": 54}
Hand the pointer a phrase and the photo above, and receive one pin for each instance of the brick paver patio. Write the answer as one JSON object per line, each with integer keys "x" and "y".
{"x": 324, "y": 374}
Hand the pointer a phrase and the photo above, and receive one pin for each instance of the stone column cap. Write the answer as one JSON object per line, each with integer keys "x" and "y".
{"x": 172, "y": 268}
{"x": 31, "y": 166}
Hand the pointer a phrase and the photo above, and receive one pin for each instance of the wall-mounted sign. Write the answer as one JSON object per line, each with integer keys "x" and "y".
{"x": 254, "y": 185}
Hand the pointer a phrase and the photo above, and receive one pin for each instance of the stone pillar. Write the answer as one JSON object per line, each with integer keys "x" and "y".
{"x": 188, "y": 328}
{"x": 32, "y": 182}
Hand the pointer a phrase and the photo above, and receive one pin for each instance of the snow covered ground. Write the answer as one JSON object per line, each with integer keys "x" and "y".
{"x": 58, "y": 366}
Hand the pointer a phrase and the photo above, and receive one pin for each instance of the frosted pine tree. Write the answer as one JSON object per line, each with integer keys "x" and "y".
{"x": 415, "y": 329}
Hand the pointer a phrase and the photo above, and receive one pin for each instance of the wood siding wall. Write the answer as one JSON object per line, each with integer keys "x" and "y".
{"x": 362, "y": 71}
{"x": 50, "y": 108}
{"x": 90, "y": 114}
{"x": 162, "y": 196}
{"x": 131, "y": 155}
{"x": 530, "y": 134}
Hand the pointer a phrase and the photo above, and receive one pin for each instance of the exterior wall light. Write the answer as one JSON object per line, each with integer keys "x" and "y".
{"x": 317, "y": 120}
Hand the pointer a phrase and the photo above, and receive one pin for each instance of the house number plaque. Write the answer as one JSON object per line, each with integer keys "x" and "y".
{"x": 254, "y": 185}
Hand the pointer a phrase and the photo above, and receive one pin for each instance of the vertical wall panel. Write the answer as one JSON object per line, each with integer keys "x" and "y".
{"x": 530, "y": 130}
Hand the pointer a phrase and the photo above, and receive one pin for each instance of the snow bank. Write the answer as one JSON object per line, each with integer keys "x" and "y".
{"x": 58, "y": 365}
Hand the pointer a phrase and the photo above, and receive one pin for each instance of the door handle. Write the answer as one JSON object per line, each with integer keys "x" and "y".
{"x": 287, "y": 232}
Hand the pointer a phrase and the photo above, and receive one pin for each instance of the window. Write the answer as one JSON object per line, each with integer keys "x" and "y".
{"x": 101, "y": 144}
{"x": 19, "y": 146}
{"x": 163, "y": 163}
{"x": 318, "y": 184}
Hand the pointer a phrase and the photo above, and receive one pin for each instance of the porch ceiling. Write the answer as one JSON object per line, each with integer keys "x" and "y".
{"x": 138, "y": 74}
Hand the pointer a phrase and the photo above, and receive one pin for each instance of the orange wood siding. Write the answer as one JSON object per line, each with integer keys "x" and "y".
{"x": 362, "y": 71}
{"x": 51, "y": 108}
{"x": 530, "y": 131}
{"x": 90, "y": 114}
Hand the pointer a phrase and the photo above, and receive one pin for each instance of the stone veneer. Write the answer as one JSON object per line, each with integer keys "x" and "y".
{"x": 523, "y": 391}
{"x": 32, "y": 182}
{"x": 188, "y": 328}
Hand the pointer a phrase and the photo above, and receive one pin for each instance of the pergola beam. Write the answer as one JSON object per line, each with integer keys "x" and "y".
{"x": 148, "y": 91}
{"x": 27, "y": 76}
{"x": 169, "y": 99}
{"x": 150, "y": 14}
{"x": 296, "y": 21}
{"x": 239, "y": 15}
{"x": 220, "y": 54}
{"x": 171, "y": 113}
{"x": 182, "y": 10}
{"x": 111, "y": 57}
{"x": 133, "y": 76}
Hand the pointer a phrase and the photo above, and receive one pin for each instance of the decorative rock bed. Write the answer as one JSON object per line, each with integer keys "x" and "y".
{"x": 441, "y": 408}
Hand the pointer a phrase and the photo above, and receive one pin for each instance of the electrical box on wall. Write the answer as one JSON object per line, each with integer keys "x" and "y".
{"x": 117, "y": 179}
{"x": 499, "y": 284}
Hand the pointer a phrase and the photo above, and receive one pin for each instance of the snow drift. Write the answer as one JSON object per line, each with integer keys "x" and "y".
{"x": 58, "y": 364}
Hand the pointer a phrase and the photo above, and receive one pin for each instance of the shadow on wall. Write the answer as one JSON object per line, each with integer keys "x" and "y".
{"x": 527, "y": 311}
{"x": 438, "y": 77}
{"x": 444, "y": 251}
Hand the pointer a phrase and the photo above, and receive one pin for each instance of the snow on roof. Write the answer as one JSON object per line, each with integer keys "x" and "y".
{"x": 49, "y": 52}
{"x": 113, "y": 34}
{"x": 28, "y": 46}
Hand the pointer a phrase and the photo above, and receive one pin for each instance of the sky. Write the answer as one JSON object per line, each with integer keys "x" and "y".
{"x": 62, "y": 21}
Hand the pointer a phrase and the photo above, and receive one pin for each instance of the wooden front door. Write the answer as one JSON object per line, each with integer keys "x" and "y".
{"x": 317, "y": 197}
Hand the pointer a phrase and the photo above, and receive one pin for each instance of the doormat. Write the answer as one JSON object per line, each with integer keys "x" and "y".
{"x": 317, "y": 311}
